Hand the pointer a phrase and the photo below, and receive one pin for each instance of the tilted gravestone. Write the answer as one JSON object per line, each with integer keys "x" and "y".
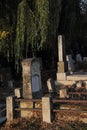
{"x": 62, "y": 63}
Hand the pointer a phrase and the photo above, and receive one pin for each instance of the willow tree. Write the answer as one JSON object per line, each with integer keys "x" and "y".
{"x": 25, "y": 30}
{"x": 37, "y": 23}
{"x": 32, "y": 24}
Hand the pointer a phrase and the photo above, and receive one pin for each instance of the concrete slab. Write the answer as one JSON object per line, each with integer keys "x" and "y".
{"x": 76, "y": 77}
{"x": 66, "y": 82}
{"x": 71, "y": 79}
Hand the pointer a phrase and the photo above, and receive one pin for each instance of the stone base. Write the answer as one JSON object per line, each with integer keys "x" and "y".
{"x": 63, "y": 79}
{"x": 26, "y": 113}
{"x": 66, "y": 82}
{"x": 76, "y": 77}
{"x": 61, "y": 76}
{"x": 37, "y": 95}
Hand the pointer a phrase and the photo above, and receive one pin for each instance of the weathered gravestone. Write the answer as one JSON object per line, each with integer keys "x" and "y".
{"x": 46, "y": 109}
{"x": 31, "y": 84}
{"x": 62, "y": 63}
{"x": 71, "y": 67}
{"x": 31, "y": 78}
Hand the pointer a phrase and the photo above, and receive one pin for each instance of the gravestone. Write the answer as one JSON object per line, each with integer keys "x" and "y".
{"x": 71, "y": 67}
{"x": 78, "y": 58}
{"x": 31, "y": 84}
{"x": 62, "y": 63}
{"x": 46, "y": 109}
{"x": 63, "y": 93}
{"x": 51, "y": 85}
{"x": 36, "y": 78}
{"x": 17, "y": 92}
{"x": 85, "y": 59}
{"x": 31, "y": 78}
{"x": 10, "y": 104}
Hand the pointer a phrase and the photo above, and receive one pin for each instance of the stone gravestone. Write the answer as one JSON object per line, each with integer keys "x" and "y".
{"x": 31, "y": 84}
{"x": 51, "y": 85}
{"x": 85, "y": 59}
{"x": 62, "y": 63}
{"x": 70, "y": 61}
{"x": 31, "y": 78}
{"x": 46, "y": 109}
{"x": 78, "y": 58}
{"x": 36, "y": 78}
{"x": 63, "y": 93}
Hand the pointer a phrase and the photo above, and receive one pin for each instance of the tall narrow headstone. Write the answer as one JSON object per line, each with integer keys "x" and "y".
{"x": 27, "y": 88}
{"x": 62, "y": 64}
{"x": 61, "y": 47}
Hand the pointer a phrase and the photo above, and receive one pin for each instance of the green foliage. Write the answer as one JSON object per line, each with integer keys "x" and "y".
{"x": 32, "y": 26}
{"x": 42, "y": 12}
{"x": 6, "y": 44}
{"x": 37, "y": 22}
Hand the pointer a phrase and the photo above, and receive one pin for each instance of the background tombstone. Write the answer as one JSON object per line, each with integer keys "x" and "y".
{"x": 70, "y": 61}
{"x": 78, "y": 58}
{"x": 51, "y": 85}
{"x": 62, "y": 63}
{"x": 85, "y": 59}
{"x": 31, "y": 78}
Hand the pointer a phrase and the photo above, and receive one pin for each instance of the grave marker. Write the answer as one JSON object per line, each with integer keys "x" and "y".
{"x": 51, "y": 85}
{"x": 71, "y": 67}
{"x": 78, "y": 58}
{"x": 62, "y": 63}
{"x": 46, "y": 109}
{"x": 31, "y": 78}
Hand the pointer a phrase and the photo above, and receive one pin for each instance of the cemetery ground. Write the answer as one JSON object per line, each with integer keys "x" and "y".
{"x": 35, "y": 123}
{"x": 63, "y": 120}
{"x": 60, "y": 122}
